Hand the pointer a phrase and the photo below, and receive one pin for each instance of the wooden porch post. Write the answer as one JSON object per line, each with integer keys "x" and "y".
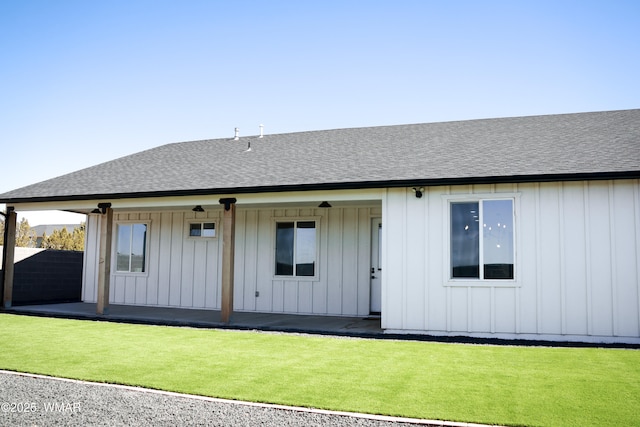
{"x": 104, "y": 266}
{"x": 8, "y": 256}
{"x": 228, "y": 251}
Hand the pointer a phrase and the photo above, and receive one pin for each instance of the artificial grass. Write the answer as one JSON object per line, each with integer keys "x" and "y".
{"x": 471, "y": 383}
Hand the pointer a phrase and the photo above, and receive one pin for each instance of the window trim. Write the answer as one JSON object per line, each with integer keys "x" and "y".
{"x": 448, "y": 199}
{"x": 316, "y": 276}
{"x": 201, "y": 221}
{"x": 114, "y": 249}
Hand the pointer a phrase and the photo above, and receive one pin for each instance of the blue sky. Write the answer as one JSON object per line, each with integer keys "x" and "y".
{"x": 83, "y": 82}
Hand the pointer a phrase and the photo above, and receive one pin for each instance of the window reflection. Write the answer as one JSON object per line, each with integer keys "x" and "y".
{"x": 305, "y": 248}
{"x": 131, "y": 247}
{"x": 296, "y": 248}
{"x": 497, "y": 226}
{"x": 493, "y": 247}
{"x": 465, "y": 250}
{"x": 284, "y": 249}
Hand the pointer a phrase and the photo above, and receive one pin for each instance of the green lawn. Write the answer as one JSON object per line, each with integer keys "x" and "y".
{"x": 456, "y": 382}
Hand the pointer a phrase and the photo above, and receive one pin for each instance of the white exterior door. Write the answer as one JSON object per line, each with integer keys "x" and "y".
{"x": 376, "y": 266}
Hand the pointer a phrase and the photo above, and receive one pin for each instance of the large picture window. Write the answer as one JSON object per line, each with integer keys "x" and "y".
{"x": 482, "y": 240}
{"x": 131, "y": 247}
{"x": 296, "y": 248}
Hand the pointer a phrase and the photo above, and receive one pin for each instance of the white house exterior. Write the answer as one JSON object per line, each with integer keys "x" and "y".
{"x": 576, "y": 267}
{"x": 509, "y": 228}
{"x": 185, "y": 271}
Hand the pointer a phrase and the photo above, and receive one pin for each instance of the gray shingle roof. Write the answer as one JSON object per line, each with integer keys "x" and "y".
{"x": 567, "y": 146}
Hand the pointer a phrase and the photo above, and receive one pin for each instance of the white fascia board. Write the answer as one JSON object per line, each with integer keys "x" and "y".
{"x": 182, "y": 202}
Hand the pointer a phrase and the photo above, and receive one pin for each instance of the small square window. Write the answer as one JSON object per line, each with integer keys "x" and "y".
{"x": 208, "y": 229}
{"x": 202, "y": 229}
{"x": 195, "y": 230}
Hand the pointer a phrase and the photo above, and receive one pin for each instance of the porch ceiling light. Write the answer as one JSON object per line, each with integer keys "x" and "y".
{"x": 198, "y": 209}
{"x": 324, "y": 204}
{"x": 418, "y": 191}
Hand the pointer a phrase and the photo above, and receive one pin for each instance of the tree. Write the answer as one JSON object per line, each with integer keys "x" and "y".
{"x": 78, "y": 237}
{"x": 25, "y": 236}
{"x": 63, "y": 240}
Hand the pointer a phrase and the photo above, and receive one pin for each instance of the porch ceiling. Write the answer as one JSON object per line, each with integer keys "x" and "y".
{"x": 309, "y": 199}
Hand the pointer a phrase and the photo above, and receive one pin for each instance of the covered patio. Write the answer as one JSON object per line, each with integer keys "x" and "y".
{"x": 329, "y": 325}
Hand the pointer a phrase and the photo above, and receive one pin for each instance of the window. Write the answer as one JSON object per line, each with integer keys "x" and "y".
{"x": 202, "y": 229}
{"x": 131, "y": 247}
{"x": 296, "y": 248}
{"x": 482, "y": 240}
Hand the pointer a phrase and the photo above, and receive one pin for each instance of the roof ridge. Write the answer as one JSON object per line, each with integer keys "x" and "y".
{"x": 397, "y": 125}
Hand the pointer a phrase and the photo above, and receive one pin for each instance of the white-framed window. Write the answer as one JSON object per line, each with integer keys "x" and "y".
{"x": 296, "y": 248}
{"x": 202, "y": 229}
{"x": 131, "y": 247}
{"x": 482, "y": 239}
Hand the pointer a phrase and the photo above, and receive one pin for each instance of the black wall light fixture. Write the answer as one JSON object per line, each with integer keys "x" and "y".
{"x": 198, "y": 209}
{"x": 418, "y": 192}
{"x": 102, "y": 208}
{"x": 324, "y": 204}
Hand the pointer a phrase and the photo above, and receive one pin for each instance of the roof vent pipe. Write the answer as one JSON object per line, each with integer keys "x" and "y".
{"x": 261, "y": 131}
{"x": 237, "y": 137}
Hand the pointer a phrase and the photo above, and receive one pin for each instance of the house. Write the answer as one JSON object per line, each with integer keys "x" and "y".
{"x": 525, "y": 227}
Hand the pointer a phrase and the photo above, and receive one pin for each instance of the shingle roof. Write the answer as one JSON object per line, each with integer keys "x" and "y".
{"x": 552, "y": 147}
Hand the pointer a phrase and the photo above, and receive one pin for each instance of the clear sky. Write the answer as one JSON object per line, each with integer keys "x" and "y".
{"x": 83, "y": 82}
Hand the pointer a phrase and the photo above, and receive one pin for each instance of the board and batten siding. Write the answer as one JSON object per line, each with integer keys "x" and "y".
{"x": 577, "y": 272}
{"x": 181, "y": 271}
{"x": 185, "y": 272}
{"x": 341, "y": 286}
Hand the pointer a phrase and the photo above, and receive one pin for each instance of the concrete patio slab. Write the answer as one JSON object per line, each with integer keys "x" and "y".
{"x": 331, "y": 325}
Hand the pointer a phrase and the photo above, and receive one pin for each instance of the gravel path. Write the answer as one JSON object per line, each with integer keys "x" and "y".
{"x": 43, "y": 401}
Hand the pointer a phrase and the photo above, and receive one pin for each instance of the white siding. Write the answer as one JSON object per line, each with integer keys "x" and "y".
{"x": 577, "y": 269}
{"x": 91, "y": 258}
{"x": 181, "y": 271}
{"x": 185, "y": 272}
{"x": 342, "y": 285}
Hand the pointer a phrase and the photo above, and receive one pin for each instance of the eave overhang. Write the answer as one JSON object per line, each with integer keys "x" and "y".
{"x": 354, "y": 185}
